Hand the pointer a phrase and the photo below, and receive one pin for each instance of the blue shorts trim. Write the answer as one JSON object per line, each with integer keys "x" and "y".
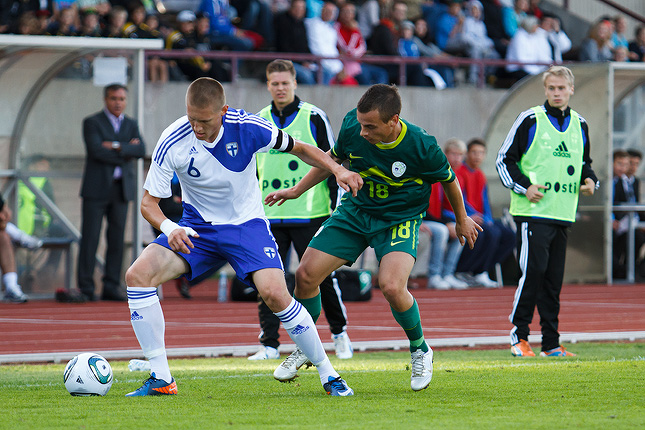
{"x": 246, "y": 247}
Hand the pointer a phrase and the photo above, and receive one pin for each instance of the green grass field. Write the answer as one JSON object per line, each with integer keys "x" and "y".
{"x": 604, "y": 387}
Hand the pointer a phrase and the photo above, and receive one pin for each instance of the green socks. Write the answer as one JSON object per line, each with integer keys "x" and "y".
{"x": 410, "y": 321}
{"x": 313, "y": 306}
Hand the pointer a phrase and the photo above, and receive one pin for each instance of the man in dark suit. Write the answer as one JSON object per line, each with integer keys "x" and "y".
{"x": 112, "y": 142}
{"x": 626, "y": 191}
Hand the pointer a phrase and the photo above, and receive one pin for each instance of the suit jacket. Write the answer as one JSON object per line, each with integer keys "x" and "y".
{"x": 621, "y": 195}
{"x": 100, "y": 162}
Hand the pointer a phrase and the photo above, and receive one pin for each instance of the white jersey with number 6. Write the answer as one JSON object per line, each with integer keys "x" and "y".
{"x": 218, "y": 180}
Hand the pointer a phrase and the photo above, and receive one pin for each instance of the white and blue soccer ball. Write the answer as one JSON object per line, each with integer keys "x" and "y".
{"x": 88, "y": 374}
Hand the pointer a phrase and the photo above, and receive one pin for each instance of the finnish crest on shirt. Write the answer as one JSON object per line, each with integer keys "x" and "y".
{"x": 270, "y": 252}
{"x": 398, "y": 168}
{"x": 231, "y": 148}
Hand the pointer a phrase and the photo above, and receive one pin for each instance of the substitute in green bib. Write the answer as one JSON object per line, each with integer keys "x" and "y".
{"x": 545, "y": 162}
{"x": 398, "y": 162}
{"x": 295, "y": 222}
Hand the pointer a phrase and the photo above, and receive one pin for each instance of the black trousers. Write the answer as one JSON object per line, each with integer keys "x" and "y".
{"x": 542, "y": 250}
{"x": 115, "y": 209}
{"x": 330, "y": 296}
{"x": 620, "y": 254}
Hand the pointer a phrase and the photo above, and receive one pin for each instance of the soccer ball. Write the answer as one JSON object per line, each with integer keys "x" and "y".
{"x": 88, "y": 374}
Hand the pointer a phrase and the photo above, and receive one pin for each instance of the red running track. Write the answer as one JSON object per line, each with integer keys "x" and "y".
{"x": 50, "y": 331}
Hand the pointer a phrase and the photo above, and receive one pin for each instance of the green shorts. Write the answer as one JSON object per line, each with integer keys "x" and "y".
{"x": 349, "y": 231}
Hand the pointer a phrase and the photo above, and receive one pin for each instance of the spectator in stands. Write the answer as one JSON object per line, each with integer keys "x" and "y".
{"x": 29, "y": 24}
{"x": 351, "y": 43}
{"x": 12, "y": 10}
{"x": 423, "y": 39}
{"x": 512, "y": 16}
{"x": 44, "y": 18}
{"x": 90, "y": 25}
{"x": 136, "y": 28}
{"x": 496, "y": 243}
{"x": 476, "y": 41}
{"x": 431, "y": 11}
{"x": 203, "y": 32}
{"x": 255, "y": 15}
{"x": 534, "y": 9}
{"x": 408, "y": 48}
{"x": 494, "y": 21}
{"x": 621, "y": 54}
{"x": 422, "y": 31}
{"x": 449, "y": 26}
{"x": 59, "y": 5}
{"x": 12, "y": 291}
{"x": 64, "y": 24}
{"x": 626, "y": 191}
{"x": 445, "y": 248}
{"x": 100, "y": 7}
{"x": 117, "y": 18}
{"x": 596, "y": 47}
{"x": 528, "y": 46}
{"x": 323, "y": 40}
{"x": 370, "y": 13}
{"x": 184, "y": 38}
{"x": 618, "y": 36}
{"x": 224, "y": 33}
{"x": 314, "y": 8}
{"x": 291, "y": 37}
{"x": 385, "y": 36}
{"x": 637, "y": 46}
{"x": 556, "y": 37}
{"x": 420, "y": 74}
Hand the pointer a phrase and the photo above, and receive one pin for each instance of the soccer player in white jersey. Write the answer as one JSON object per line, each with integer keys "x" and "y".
{"x": 212, "y": 151}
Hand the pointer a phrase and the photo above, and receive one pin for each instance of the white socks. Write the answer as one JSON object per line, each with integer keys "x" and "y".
{"x": 302, "y": 330}
{"x": 149, "y": 326}
{"x": 10, "y": 282}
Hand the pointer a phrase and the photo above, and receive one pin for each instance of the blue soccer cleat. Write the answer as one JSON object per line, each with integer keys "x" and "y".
{"x": 557, "y": 352}
{"x": 155, "y": 387}
{"x": 337, "y": 387}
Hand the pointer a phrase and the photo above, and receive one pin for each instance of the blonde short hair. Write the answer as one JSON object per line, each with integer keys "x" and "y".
{"x": 561, "y": 71}
{"x": 204, "y": 93}
{"x": 454, "y": 144}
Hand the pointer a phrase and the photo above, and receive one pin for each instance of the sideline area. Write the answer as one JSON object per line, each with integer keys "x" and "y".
{"x": 47, "y": 331}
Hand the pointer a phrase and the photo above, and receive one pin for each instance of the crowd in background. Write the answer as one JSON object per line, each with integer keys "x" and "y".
{"x": 518, "y": 31}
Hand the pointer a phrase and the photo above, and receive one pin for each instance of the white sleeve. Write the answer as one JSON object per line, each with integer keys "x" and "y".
{"x": 158, "y": 181}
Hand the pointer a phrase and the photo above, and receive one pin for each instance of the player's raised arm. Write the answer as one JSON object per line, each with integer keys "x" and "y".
{"x": 349, "y": 181}
{"x": 323, "y": 164}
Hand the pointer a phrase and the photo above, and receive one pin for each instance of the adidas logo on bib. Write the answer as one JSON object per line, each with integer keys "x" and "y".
{"x": 562, "y": 151}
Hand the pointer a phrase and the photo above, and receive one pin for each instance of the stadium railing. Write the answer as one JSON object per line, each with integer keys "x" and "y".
{"x": 236, "y": 58}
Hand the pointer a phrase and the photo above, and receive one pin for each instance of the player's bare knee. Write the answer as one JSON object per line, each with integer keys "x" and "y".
{"x": 276, "y": 298}
{"x": 305, "y": 281}
{"x": 136, "y": 276}
{"x": 390, "y": 290}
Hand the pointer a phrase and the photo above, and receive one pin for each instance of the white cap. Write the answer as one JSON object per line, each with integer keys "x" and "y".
{"x": 186, "y": 16}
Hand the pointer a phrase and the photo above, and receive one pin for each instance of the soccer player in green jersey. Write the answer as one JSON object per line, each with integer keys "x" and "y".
{"x": 398, "y": 162}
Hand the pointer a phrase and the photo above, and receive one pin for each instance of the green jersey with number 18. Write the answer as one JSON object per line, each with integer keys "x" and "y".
{"x": 398, "y": 176}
